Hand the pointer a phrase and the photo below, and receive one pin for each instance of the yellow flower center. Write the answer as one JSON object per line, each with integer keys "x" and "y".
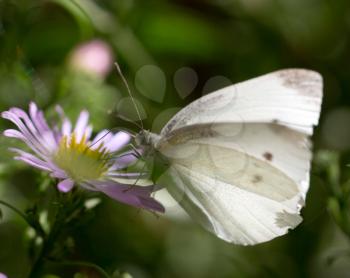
{"x": 79, "y": 161}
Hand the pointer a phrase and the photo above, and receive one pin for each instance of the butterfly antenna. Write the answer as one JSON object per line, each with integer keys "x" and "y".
{"x": 100, "y": 139}
{"x": 129, "y": 91}
{"x": 129, "y": 121}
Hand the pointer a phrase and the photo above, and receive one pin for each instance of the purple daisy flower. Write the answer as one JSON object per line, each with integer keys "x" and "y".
{"x": 72, "y": 157}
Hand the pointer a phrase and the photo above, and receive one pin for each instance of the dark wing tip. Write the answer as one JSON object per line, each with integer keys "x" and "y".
{"x": 307, "y": 82}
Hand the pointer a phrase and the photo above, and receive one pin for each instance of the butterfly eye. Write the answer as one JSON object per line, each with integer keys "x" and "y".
{"x": 140, "y": 139}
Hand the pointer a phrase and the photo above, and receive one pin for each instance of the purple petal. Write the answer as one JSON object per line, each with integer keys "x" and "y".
{"x": 32, "y": 160}
{"x": 137, "y": 196}
{"x": 31, "y": 141}
{"x": 32, "y": 163}
{"x": 88, "y": 132}
{"x": 152, "y": 204}
{"x": 37, "y": 117}
{"x": 60, "y": 111}
{"x": 125, "y": 159}
{"x": 118, "y": 141}
{"x": 17, "y": 121}
{"x": 27, "y": 121}
{"x": 45, "y": 164}
{"x": 13, "y": 133}
{"x": 16, "y": 134}
{"x": 65, "y": 185}
{"x": 66, "y": 127}
{"x": 50, "y": 140}
{"x": 81, "y": 124}
{"x": 57, "y": 135}
{"x": 44, "y": 135}
{"x": 2, "y": 275}
{"x": 59, "y": 174}
{"x": 102, "y": 137}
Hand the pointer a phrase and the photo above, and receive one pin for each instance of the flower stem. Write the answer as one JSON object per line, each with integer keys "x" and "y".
{"x": 48, "y": 243}
{"x": 36, "y": 226}
{"x": 17, "y": 211}
{"x": 66, "y": 215}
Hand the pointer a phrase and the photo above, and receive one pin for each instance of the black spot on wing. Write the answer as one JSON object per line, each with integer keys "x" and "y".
{"x": 257, "y": 179}
{"x": 268, "y": 156}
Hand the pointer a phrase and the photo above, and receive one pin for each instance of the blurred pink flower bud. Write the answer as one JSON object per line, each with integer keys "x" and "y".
{"x": 94, "y": 57}
{"x": 2, "y": 275}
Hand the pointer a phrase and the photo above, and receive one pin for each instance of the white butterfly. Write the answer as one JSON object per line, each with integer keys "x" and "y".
{"x": 239, "y": 159}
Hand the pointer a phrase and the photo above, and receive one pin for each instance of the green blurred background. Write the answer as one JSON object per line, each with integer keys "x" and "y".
{"x": 194, "y": 46}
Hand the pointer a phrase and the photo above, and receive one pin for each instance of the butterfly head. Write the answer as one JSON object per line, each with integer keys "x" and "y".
{"x": 146, "y": 138}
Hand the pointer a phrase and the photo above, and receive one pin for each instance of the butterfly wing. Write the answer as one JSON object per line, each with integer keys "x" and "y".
{"x": 245, "y": 181}
{"x": 290, "y": 97}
